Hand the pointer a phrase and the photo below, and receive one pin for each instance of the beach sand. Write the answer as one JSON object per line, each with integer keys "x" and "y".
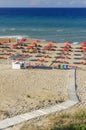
{"x": 26, "y": 90}
{"x": 7, "y": 39}
{"x": 81, "y": 86}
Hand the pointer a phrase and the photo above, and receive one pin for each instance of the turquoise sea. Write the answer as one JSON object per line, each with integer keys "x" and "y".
{"x": 52, "y": 24}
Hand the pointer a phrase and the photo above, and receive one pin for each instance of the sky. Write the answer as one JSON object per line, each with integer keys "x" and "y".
{"x": 42, "y": 3}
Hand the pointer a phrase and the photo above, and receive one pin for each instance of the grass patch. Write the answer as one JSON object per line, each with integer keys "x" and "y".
{"x": 70, "y": 127}
{"x": 76, "y": 121}
{"x": 80, "y": 115}
{"x": 66, "y": 120}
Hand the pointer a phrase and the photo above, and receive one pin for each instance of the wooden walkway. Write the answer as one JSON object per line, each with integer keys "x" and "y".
{"x": 73, "y": 100}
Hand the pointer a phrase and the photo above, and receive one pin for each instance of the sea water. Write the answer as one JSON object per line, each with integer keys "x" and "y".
{"x": 51, "y": 24}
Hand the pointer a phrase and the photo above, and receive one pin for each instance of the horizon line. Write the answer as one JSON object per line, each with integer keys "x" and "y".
{"x": 39, "y": 7}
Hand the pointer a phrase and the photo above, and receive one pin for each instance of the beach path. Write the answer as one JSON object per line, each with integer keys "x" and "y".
{"x": 58, "y": 107}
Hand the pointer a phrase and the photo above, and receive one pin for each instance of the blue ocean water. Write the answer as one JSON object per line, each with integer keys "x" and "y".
{"x": 52, "y": 24}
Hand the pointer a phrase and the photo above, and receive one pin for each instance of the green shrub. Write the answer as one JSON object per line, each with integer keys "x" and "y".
{"x": 70, "y": 127}
{"x": 80, "y": 115}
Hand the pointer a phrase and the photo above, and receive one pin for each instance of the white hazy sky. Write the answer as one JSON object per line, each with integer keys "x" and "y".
{"x": 42, "y": 3}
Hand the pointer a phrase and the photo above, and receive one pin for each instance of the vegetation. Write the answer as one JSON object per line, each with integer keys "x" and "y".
{"x": 68, "y": 120}
{"x": 70, "y": 127}
{"x": 65, "y": 121}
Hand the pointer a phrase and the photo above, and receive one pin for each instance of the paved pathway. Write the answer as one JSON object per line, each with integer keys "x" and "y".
{"x": 58, "y": 107}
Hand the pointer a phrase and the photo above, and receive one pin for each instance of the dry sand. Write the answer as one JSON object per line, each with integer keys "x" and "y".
{"x": 81, "y": 87}
{"x": 26, "y": 90}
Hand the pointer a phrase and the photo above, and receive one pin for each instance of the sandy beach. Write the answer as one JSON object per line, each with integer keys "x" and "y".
{"x": 25, "y": 90}
{"x": 81, "y": 87}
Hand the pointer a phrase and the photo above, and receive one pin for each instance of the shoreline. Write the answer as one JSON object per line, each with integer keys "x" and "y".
{"x": 14, "y": 38}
